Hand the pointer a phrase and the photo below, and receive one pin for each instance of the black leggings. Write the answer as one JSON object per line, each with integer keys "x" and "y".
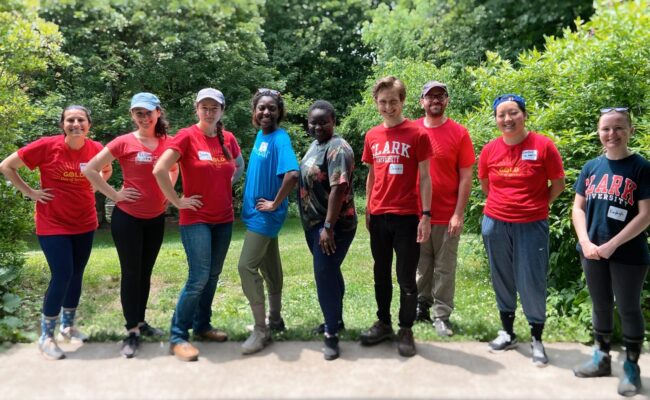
{"x": 609, "y": 282}
{"x": 137, "y": 242}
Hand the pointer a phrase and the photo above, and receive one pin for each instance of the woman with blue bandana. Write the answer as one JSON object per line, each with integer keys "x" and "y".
{"x": 515, "y": 170}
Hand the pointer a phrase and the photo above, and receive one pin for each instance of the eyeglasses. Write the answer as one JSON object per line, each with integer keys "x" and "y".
{"x": 268, "y": 91}
{"x": 439, "y": 97}
{"x": 617, "y": 109}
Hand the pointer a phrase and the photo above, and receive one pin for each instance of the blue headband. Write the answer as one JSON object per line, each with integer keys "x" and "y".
{"x": 509, "y": 97}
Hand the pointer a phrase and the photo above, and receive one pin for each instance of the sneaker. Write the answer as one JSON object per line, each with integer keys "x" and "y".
{"x": 377, "y": 333}
{"x": 600, "y": 364}
{"x": 212, "y": 335}
{"x": 405, "y": 342}
{"x": 276, "y": 326}
{"x": 331, "y": 349}
{"x": 502, "y": 342}
{"x": 539, "y": 354}
{"x": 443, "y": 327}
{"x": 320, "y": 329}
{"x": 423, "y": 314}
{"x": 257, "y": 340}
{"x": 148, "y": 330}
{"x": 50, "y": 350}
{"x": 72, "y": 335}
{"x": 130, "y": 345}
{"x": 184, "y": 351}
{"x": 630, "y": 383}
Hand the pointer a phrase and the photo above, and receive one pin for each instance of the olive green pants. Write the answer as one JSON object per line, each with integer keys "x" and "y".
{"x": 260, "y": 262}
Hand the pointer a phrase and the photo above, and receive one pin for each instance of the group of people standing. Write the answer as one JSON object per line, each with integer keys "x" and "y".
{"x": 418, "y": 185}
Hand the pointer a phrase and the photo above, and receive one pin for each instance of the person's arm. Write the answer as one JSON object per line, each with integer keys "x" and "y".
{"x": 288, "y": 182}
{"x": 9, "y": 168}
{"x": 239, "y": 171}
{"x": 162, "y": 173}
{"x": 334, "y": 204}
{"x": 95, "y": 173}
{"x": 637, "y": 225}
{"x": 464, "y": 189}
{"x": 485, "y": 186}
{"x": 579, "y": 218}
{"x": 424, "y": 227}
{"x": 370, "y": 182}
{"x": 557, "y": 186}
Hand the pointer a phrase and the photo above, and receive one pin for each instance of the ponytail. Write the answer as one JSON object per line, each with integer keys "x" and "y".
{"x": 225, "y": 150}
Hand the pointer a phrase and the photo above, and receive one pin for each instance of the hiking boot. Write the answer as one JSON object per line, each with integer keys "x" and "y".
{"x": 377, "y": 333}
{"x": 423, "y": 314}
{"x": 443, "y": 327}
{"x": 50, "y": 350}
{"x": 212, "y": 335}
{"x": 276, "y": 326}
{"x": 539, "y": 354}
{"x": 130, "y": 345}
{"x": 503, "y": 342}
{"x": 184, "y": 351}
{"x": 320, "y": 329}
{"x": 630, "y": 383}
{"x": 72, "y": 335}
{"x": 405, "y": 342}
{"x": 600, "y": 364}
{"x": 257, "y": 340}
{"x": 331, "y": 349}
{"x": 148, "y": 330}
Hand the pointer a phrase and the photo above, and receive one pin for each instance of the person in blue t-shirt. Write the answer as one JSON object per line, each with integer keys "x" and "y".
{"x": 611, "y": 213}
{"x": 272, "y": 174}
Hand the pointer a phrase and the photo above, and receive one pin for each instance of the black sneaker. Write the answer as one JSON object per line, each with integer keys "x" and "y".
{"x": 320, "y": 329}
{"x": 423, "y": 314}
{"x": 377, "y": 333}
{"x": 503, "y": 342}
{"x": 331, "y": 349}
{"x": 276, "y": 326}
{"x": 405, "y": 342}
{"x": 148, "y": 330}
{"x": 130, "y": 345}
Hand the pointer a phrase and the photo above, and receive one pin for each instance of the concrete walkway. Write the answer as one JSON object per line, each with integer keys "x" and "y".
{"x": 297, "y": 370}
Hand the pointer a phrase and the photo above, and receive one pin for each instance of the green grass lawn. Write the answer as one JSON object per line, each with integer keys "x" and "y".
{"x": 100, "y": 313}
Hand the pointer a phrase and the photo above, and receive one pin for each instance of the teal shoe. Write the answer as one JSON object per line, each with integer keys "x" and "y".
{"x": 630, "y": 383}
{"x": 600, "y": 364}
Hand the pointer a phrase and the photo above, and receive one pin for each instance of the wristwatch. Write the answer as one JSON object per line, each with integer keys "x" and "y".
{"x": 427, "y": 213}
{"x": 327, "y": 225}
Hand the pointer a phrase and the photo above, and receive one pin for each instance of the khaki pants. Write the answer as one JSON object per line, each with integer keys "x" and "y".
{"x": 260, "y": 262}
{"x": 436, "y": 277}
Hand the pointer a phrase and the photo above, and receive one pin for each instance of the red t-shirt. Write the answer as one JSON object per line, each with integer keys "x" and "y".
{"x": 206, "y": 171}
{"x": 137, "y": 163}
{"x": 518, "y": 176}
{"x": 72, "y": 210}
{"x": 452, "y": 150}
{"x": 395, "y": 154}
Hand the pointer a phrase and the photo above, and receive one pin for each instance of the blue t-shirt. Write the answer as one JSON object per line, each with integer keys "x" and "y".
{"x": 612, "y": 190}
{"x": 272, "y": 156}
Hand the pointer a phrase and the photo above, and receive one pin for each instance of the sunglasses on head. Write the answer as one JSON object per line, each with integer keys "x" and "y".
{"x": 617, "y": 109}
{"x": 268, "y": 91}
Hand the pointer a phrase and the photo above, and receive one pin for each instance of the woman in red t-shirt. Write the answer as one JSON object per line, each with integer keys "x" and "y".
{"x": 65, "y": 218}
{"x": 138, "y": 219}
{"x": 515, "y": 170}
{"x": 210, "y": 160}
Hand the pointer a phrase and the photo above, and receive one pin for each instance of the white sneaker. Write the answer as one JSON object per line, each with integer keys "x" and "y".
{"x": 50, "y": 350}
{"x": 256, "y": 341}
{"x": 503, "y": 342}
{"x": 539, "y": 354}
{"x": 72, "y": 335}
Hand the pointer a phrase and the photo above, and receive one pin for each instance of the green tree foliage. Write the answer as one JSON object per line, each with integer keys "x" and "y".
{"x": 460, "y": 31}
{"x": 28, "y": 47}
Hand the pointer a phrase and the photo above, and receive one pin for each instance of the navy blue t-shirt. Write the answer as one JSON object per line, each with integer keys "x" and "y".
{"x": 612, "y": 189}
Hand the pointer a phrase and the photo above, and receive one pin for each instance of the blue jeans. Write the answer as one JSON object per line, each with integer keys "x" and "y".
{"x": 206, "y": 246}
{"x": 518, "y": 256}
{"x": 330, "y": 285}
{"x": 67, "y": 256}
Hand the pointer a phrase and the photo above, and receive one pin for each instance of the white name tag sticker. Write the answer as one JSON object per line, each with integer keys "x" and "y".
{"x": 143, "y": 157}
{"x": 263, "y": 147}
{"x": 530, "y": 155}
{"x": 310, "y": 162}
{"x": 81, "y": 165}
{"x": 616, "y": 213}
{"x": 396, "y": 169}
{"x": 205, "y": 155}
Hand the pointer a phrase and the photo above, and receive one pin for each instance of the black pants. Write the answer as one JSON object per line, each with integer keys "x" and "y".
{"x": 137, "y": 242}
{"x": 390, "y": 232}
{"x": 609, "y": 282}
